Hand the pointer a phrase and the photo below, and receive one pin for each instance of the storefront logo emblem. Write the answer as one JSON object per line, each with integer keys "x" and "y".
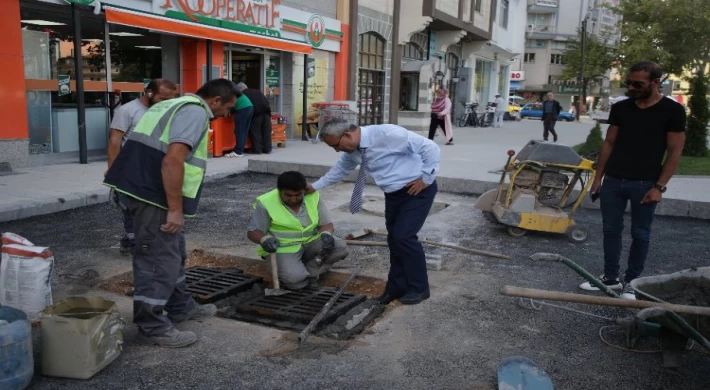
{"x": 315, "y": 30}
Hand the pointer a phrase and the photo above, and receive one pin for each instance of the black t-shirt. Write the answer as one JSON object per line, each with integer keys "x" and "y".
{"x": 641, "y": 141}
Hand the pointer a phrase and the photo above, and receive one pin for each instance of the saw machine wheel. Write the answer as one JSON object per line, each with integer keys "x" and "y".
{"x": 516, "y": 231}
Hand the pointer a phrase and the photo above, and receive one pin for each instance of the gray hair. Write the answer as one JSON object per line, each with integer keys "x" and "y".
{"x": 241, "y": 86}
{"x": 336, "y": 127}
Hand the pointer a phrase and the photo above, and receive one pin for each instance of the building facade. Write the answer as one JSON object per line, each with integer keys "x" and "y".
{"x": 550, "y": 25}
{"x": 277, "y": 46}
{"x": 465, "y": 46}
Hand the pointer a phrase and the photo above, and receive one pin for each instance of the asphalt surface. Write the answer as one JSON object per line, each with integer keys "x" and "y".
{"x": 454, "y": 340}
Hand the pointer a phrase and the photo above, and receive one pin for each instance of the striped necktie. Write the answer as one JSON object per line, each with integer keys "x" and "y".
{"x": 356, "y": 200}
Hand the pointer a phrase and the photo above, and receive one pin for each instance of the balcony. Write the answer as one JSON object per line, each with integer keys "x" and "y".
{"x": 541, "y": 31}
{"x": 543, "y": 6}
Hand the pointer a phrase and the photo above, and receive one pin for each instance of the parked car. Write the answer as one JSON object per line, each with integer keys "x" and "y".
{"x": 534, "y": 110}
{"x": 513, "y": 112}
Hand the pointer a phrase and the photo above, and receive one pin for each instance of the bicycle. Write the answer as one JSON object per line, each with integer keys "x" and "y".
{"x": 469, "y": 116}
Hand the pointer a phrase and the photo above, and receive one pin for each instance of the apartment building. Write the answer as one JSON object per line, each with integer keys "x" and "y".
{"x": 550, "y": 26}
{"x": 465, "y": 46}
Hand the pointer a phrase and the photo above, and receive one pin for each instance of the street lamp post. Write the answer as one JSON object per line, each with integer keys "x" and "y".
{"x": 582, "y": 97}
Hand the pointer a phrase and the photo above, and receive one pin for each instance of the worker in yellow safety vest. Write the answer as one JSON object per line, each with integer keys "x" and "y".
{"x": 298, "y": 229}
{"x": 160, "y": 171}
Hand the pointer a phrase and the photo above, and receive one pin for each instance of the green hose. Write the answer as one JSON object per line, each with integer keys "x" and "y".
{"x": 576, "y": 268}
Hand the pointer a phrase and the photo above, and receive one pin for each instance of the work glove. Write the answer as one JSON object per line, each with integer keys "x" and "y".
{"x": 328, "y": 242}
{"x": 270, "y": 244}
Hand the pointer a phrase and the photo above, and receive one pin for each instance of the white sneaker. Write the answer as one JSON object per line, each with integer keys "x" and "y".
{"x": 613, "y": 284}
{"x": 233, "y": 154}
{"x": 628, "y": 292}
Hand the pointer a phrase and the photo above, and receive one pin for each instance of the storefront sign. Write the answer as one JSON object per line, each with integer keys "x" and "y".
{"x": 262, "y": 17}
{"x": 517, "y": 75}
{"x": 569, "y": 89}
{"x": 64, "y": 85}
{"x": 251, "y": 16}
{"x": 317, "y": 89}
{"x": 315, "y": 30}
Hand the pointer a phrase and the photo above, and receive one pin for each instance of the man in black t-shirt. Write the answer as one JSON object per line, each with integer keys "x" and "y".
{"x": 642, "y": 129}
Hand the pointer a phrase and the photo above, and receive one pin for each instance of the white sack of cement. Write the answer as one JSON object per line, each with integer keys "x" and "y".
{"x": 25, "y": 272}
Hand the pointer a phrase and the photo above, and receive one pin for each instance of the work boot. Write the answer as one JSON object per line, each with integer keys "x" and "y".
{"x": 198, "y": 312}
{"x": 173, "y": 338}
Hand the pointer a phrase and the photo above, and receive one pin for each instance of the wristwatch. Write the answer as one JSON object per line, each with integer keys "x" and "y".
{"x": 660, "y": 188}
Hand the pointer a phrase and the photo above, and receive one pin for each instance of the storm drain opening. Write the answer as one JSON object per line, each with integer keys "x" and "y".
{"x": 236, "y": 286}
{"x": 349, "y": 316}
{"x": 208, "y": 285}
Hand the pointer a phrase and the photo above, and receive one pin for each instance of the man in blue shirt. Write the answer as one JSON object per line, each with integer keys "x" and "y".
{"x": 404, "y": 165}
{"x": 551, "y": 109}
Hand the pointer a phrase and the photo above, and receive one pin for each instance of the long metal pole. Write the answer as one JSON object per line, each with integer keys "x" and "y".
{"x": 580, "y": 76}
{"x": 396, "y": 65}
{"x": 583, "y": 98}
{"x": 79, "y": 76}
{"x": 304, "y": 122}
{"x": 208, "y": 71}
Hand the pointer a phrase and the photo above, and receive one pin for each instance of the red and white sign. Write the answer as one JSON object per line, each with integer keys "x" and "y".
{"x": 517, "y": 75}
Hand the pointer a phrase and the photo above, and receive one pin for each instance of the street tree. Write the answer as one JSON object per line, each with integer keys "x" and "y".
{"x": 598, "y": 58}
{"x": 675, "y": 34}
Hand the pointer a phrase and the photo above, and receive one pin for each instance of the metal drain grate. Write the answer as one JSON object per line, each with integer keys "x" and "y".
{"x": 211, "y": 284}
{"x": 297, "y": 308}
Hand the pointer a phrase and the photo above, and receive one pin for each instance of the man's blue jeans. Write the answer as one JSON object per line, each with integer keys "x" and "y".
{"x": 242, "y": 120}
{"x": 615, "y": 194}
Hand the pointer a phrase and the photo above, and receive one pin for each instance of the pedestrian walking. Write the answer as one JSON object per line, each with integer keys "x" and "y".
{"x": 404, "y": 166}
{"x": 501, "y": 109}
{"x": 160, "y": 170}
{"x": 441, "y": 116}
{"x": 551, "y": 109}
{"x": 260, "y": 126}
{"x": 125, "y": 119}
{"x": 243, "y": 112}
{"x": 642, "y": 131}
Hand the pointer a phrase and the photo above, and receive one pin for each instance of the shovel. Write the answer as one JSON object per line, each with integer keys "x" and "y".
{"x": 276, "y": 291}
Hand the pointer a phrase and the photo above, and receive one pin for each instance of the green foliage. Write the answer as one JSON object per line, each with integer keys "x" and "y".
{"x": 673, "y": 33}
{"x": 598, "y": 58}
{"x": 696, "y": 144}
{"x": 594, "y": 142}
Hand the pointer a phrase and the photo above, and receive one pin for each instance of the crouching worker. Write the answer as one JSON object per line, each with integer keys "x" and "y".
{"x": 298, "y": 229}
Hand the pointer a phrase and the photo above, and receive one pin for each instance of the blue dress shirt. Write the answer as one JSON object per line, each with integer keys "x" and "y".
{"x": 395, "y": 157}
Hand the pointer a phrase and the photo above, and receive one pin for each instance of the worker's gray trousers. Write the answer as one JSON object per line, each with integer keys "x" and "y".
{"x": 158, "y": 270}
{"x": 296, "y": 268}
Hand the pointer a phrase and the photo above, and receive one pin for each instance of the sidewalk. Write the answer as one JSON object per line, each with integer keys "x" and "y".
{"x": 27, "y": 192}
{"x": 467, "y": 167}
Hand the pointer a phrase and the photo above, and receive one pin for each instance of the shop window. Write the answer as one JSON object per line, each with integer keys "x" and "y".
{"x": 452, "y": 64}
{"x": 529, "y": 58}
{"x": 483, "y": 81}
{"x": 412, "y": 51}
{"x": 409, "y": 91}
{"x": 478, "y": 5}
{"x": 372, "y": 79}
